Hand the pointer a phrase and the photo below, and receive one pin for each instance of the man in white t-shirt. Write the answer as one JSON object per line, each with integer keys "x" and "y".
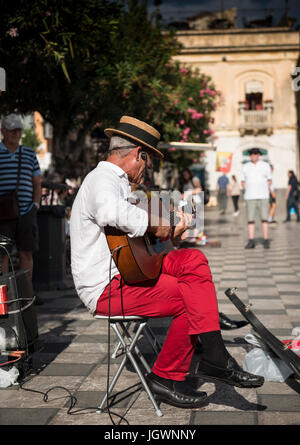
{"x": 256, "y": 181}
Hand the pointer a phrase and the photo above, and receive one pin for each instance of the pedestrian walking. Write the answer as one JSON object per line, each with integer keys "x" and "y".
{"x": 222, "y": 192}
{"x": 235, "y": 194}
{"x": 20, "y": 176}
{"x": 256, "y": 182}
{"x": 292, "y": 196}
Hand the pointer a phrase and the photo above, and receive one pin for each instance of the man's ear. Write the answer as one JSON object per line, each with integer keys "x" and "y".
{"x": 139, "y": 153}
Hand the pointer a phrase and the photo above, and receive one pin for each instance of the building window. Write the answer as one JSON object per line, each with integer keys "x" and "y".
{"x": 254, "y": 101}
{"x": 254, "y": 95}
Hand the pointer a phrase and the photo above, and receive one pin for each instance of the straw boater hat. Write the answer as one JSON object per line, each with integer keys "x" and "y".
{"x": 137, "y": 131}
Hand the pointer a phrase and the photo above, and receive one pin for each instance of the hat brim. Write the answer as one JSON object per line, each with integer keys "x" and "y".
{"x": 111, "y": 132}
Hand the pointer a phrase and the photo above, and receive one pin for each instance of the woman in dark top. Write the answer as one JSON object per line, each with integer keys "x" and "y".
{"x": 292, "y": 196}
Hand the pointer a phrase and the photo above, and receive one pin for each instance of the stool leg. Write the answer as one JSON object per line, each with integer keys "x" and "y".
{"x": 136, "y": 367}
{"x": 120, "y": 369}
{"x": 138, "y": 352}
{"x": 128, "y": 355}
{"x": 119, "y": 344}
{"x": 156, "y": 346}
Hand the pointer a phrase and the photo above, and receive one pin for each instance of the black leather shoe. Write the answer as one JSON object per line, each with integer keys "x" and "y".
{"x": 250, "y": 244}
{"x": 175, "y": 393}
{"x": 227, "y": 324}
{"x": 232, "y": 374}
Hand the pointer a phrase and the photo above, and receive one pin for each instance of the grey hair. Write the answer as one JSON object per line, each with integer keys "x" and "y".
{"x": 118, "y": 146}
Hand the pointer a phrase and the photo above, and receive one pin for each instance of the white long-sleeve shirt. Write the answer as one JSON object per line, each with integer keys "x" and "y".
{"x": 101, "y": 200}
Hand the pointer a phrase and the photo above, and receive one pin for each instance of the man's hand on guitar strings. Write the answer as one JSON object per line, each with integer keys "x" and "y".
{"x": 186, "y": 222}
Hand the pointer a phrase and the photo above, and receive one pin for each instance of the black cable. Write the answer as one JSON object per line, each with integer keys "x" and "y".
{"x": 18, "y": 301}
{"x": 110, "y": 413}
{"x": 73, "y": 399}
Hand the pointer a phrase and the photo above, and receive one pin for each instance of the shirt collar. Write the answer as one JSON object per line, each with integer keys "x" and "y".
{"x": 115, "y": 168}
{"x": 4, "y": 148}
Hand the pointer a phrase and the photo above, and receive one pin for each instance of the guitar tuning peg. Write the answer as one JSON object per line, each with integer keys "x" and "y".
{"x": 247, "y": 308}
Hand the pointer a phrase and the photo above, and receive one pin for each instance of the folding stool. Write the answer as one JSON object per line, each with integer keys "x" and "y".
{"x": 126, "y": 345}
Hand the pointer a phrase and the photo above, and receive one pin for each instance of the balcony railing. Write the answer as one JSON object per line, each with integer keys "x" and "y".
{"x": 256, "y": 121}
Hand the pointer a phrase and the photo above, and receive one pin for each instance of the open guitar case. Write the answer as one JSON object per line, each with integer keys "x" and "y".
{"x": 280, "y": 349}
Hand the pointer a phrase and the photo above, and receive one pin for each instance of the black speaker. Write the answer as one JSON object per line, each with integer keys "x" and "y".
{"x": 19, "y": 328}
{"x": 49, "y": 261}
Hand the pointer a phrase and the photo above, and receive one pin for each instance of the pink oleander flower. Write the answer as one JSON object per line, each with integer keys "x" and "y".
{"x": 171, "y": 149}
{"x": 186, "y": 131}
{"x": 13, "y": 32}
{"x": 48, "y": 13}
{"x": 181, "y": 122}
{"x": 190, "y": 98}
{"x": 205, "y": 131}
{"x": 183, "y": 70}
{"x": 211, "y": 131}
{"x": 175, "y": 101}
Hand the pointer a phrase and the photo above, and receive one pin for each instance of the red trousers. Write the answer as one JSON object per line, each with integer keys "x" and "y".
{"x": 184, "y": 291}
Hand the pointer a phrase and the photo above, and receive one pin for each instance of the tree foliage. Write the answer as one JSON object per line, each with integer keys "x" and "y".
{"x": 82, "y": 63}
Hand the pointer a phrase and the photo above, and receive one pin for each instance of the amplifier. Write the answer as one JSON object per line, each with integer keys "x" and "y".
{"x": 19, "y": 328}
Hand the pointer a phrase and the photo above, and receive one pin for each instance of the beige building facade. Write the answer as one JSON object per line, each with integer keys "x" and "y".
{"x": 252, "y": 69}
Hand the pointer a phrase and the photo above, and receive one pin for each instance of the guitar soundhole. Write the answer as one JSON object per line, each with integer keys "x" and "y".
{"x": 154, "y": 243}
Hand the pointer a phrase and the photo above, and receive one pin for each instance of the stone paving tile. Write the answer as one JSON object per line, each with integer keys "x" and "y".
{"x": 294, "y": 314}
{"x": 225, "y": 284}
{"x": 261, "y": 304}
{"x": 280, "y": 402}
{"x": 286, "y": 278}
{"x": 288, "y": 288}
{"x": 279, "y": 418}
{"x": 279, "y": 388}
{"x": 267, "y": 291}
{"x": 258, "y": 273}
{"x": 67, "y": 369}
{"x": 26, "y": 416}
{"x": 223, "y": 418}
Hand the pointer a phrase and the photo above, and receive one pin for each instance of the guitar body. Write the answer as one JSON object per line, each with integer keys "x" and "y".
{"x": 139, "y": 259}
{"x": 279, "y": 349}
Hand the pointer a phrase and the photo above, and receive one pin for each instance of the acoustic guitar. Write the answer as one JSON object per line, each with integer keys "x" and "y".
{"x": 138, "y": 259}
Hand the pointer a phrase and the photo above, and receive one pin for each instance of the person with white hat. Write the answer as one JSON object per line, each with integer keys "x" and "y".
{"x": 184, "y": 289}
{"x": 20, "y": 174}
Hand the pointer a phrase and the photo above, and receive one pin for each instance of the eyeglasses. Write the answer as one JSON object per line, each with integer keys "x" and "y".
{"x": 125, "y": 147}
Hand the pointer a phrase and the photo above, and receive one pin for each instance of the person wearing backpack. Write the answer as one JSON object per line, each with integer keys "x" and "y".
{"x": 292, "y": 196}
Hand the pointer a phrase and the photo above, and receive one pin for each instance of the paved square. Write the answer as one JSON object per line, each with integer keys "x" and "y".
{"x": 71, "y": 358}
